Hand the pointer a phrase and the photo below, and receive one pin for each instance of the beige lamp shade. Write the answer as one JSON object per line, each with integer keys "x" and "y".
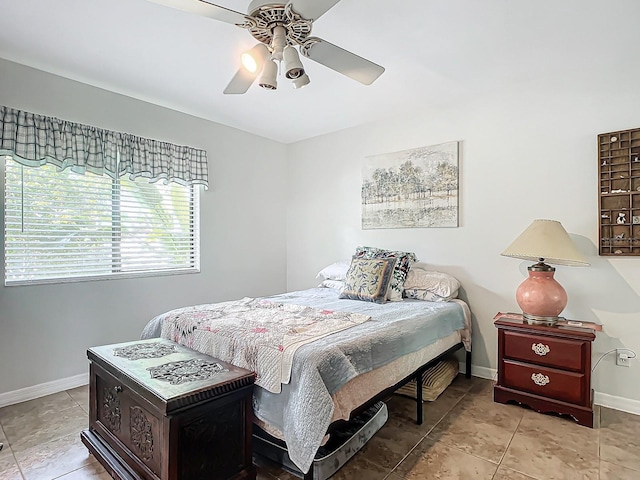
{"x": 549, "y": 240}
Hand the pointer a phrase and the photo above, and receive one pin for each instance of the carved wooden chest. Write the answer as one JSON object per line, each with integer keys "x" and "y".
{"x": 160, "y": 411}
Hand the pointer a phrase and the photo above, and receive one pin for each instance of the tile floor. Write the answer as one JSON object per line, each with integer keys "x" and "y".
{"x": 465, "y": 436}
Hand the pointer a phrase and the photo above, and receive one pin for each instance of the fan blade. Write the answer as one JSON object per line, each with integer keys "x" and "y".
{"x": 241, "y": 82}
{"x": 312, "y": 9}
{"x": 342, "y": 61}
{"x": 205, "y": 9}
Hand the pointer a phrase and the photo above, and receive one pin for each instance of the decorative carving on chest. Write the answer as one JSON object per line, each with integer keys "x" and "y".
{"x": 141, "y": 434}
{"x": 223, "y": 427}
{"x": 184, "y": 371}
{"x": 111, "y": 414}
{"x": 144, "y": 350}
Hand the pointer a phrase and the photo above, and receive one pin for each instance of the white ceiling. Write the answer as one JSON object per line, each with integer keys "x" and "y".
{"x": 435, "y": 52}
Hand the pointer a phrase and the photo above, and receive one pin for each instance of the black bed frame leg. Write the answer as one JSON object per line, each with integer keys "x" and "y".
{"x": 467, "y": 372}
{"x": 419, "y": 418}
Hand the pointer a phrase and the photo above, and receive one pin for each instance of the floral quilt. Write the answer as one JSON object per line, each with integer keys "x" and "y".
{"x": 256, "y": 334}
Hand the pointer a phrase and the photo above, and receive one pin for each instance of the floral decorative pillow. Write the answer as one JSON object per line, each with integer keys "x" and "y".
{"x": 400, "y": 271}
{"x": 368, "y": 279}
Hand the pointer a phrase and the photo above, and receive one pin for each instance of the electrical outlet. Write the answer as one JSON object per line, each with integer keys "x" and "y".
{"x": 622, "y": 358}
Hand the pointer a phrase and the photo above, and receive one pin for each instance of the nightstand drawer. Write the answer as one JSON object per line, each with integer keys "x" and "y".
{"x": 553, "y": 352}
{"x": 546, "y": 382}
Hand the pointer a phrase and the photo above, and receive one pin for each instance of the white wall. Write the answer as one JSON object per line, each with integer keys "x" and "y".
{"x": 527, "y": 151}
{"x": 45, "y": 330}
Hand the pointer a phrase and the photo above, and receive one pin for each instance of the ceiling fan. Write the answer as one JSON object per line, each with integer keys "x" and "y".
{"x": 280, "y": 28}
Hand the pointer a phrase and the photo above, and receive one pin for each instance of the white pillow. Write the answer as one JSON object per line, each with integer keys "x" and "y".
{"x": 439, "y": 283}
{"x": 335, "y": 284}
{"x": 428, "y": 296}
{"x": 335, "y": 271}
{"x": 421, "y": 265}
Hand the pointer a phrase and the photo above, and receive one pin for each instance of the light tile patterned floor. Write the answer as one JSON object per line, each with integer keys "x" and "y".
{"x": 465, "y": 435}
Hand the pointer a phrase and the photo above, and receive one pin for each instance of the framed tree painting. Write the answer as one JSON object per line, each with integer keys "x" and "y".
{"x": 414, "y": 188}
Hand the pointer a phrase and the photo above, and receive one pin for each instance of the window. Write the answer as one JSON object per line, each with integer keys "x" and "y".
{"x": 61, "y": 226}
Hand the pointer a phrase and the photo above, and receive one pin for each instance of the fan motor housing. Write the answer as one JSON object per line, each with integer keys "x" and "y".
{"x": 264, "y": 16}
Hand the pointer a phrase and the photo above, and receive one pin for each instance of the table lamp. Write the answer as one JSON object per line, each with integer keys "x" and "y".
{"x": 540, "y": 296}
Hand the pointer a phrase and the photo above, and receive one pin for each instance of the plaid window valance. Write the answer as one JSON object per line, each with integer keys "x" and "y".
{"x": 36, "y": 140}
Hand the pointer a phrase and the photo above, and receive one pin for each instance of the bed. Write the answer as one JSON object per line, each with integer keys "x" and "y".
{"x": 335, "y": 374}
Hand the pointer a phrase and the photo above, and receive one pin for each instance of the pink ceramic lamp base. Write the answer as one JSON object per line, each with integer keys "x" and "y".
{"x": 541, "y": 297}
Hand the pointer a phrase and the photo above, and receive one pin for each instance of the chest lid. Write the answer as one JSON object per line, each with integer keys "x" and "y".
{"x": 169, "y": 375}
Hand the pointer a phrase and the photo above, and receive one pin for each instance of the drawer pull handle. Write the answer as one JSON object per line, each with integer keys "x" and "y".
{"x": 117, "y": 389}
{"x": 540, "y": 379}
{"x": 540, "y": 349}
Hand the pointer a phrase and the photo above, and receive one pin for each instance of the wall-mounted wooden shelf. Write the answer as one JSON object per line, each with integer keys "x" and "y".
{"x": 619, "y": 193}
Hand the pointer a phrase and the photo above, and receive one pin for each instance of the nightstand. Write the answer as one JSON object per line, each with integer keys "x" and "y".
{"x": 545, "y": 367}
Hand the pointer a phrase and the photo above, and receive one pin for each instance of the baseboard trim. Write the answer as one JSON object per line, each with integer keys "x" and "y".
{"x": 617, "y": 403}
{"x": 37, "y": 391}
{"x": 482, "y": 372}
{"x": 29, "y": 393}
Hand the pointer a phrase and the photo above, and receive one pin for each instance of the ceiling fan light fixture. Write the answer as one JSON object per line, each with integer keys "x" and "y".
{"x": 301, "y": 81}
{"x": 268, "y": 77}
{"x": 253, "y": 60}
{"x": 249, "y": 62}
{"x": 293, "y": 67}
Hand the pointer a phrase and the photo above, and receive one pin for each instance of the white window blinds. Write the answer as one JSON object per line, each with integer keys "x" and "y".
{"x": 62, "y": 226}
